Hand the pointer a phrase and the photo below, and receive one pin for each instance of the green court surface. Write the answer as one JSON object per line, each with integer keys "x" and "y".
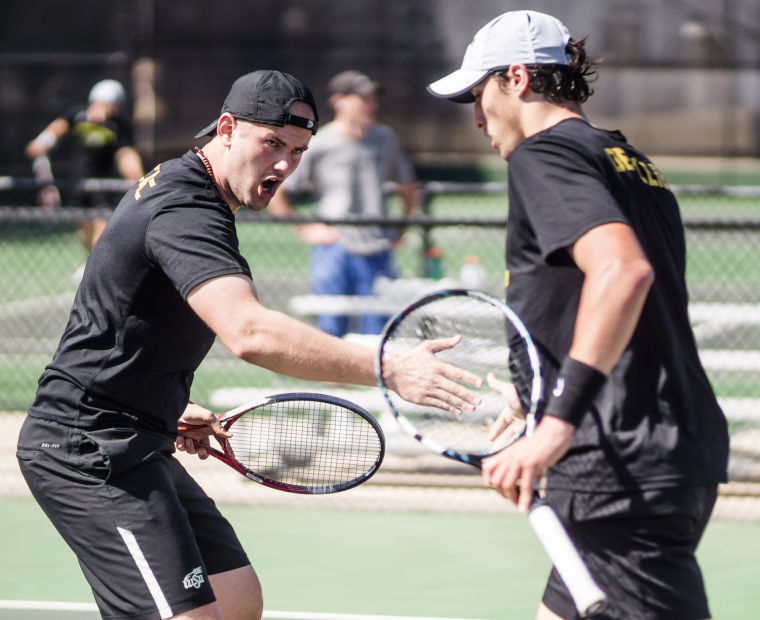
{"x": 418, "y": 564}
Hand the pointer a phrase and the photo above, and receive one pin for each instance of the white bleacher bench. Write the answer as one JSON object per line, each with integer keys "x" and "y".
{"x": 351, "y": 305}
{"x": 390, "y": 297}
{"x": 719, "y": 315}
{"x": 712, "y": 318}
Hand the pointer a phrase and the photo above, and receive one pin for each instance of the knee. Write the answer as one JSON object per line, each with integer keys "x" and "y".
{"x": 251, "y": 607}
{"x": 239, "y": 594}
{"x": 257, "y": 607}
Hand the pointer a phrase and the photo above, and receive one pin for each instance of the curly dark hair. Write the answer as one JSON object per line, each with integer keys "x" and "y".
{"x": 560, "y": 83}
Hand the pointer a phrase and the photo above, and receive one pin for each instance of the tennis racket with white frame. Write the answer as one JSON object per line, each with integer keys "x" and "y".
{"x": 493, "y": 339}
{"x": 300, "y": 442}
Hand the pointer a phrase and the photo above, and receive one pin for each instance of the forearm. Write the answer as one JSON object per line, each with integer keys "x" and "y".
{"x": 47, "y": 139}
{"x": 284, "y": 345}
{"x": 410, "y": 196}
{"x": 611, "y": 302}
{"x": 617, "y": 279}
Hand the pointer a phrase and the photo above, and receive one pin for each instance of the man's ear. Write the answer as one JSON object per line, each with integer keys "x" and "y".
{"x": 225, "y": 126}
{"x": 518, "y": 78}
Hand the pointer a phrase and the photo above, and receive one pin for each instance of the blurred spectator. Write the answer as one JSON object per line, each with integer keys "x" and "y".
{"x": 346, "y": 165}
{"x": 102, "y": 148}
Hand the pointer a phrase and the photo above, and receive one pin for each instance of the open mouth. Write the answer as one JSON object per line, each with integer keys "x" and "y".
{"x": 269, "y": 187}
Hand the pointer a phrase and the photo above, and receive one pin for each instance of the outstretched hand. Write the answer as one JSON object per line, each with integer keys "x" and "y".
{"x": 420, "y": 377}
{"x": 197, "y": 415}
{"x": 512, "y": 417}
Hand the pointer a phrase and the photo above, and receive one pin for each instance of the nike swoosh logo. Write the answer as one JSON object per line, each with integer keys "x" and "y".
{"x": 559, "y": 387}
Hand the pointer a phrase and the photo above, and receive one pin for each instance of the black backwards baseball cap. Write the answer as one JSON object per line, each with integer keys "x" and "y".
{"x": 265, "y": 97}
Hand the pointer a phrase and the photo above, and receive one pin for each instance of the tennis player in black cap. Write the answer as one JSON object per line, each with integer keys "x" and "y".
{"x": 166, "y": 279}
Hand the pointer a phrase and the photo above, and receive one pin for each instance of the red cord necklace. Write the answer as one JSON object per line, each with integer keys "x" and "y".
{"x": 206, "y": 164}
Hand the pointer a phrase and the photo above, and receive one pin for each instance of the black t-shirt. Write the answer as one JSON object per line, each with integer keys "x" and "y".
{"x": 656, "y": 422}
{"x": 89, "y": 152}
{"x": 132, "y": 342}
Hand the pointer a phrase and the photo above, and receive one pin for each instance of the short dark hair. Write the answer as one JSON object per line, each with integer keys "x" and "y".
{"x": 560, "y": 83}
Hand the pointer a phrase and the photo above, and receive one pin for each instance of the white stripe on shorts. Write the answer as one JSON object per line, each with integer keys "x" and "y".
{"x": 147, "y": 574}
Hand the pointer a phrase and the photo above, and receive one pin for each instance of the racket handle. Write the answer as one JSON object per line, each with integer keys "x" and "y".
{"x": 183, "y": 427}
{"x": 588, "y": 597}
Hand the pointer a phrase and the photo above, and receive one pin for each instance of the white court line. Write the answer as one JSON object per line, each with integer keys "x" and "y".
{"x": 268, "y": 615}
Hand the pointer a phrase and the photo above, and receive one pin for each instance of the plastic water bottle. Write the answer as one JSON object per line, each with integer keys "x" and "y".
{"x": 472, "y": 275}
{"x": 433, "y": 263}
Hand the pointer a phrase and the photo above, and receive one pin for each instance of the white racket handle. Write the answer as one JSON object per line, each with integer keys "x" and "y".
{"x": 588, "y": 597}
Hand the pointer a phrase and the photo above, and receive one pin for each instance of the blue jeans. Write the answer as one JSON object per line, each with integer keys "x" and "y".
{"x": 335, "y": 271}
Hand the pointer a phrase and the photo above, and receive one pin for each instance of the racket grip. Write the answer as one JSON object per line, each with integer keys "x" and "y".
{"x": 183, "y": 426}
{"x": 588, "y": 597}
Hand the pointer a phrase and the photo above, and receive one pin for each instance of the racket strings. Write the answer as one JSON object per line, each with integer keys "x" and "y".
{"x": 489, "y": 343}
{"x": 305, "y": 443}
{"x": 520, "y": 369}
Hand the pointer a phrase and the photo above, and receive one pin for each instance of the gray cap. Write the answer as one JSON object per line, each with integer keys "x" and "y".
{"x": 516, "y": 37}
{"x": 352, "y": 83}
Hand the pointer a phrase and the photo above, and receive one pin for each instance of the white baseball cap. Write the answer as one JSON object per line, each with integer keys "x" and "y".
{"x": 107, "y": 91}
{"x": 516, "y": 37}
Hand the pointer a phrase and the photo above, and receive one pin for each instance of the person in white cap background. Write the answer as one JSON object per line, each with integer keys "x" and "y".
{"x": 346, "y": 167}
{"x": 165, "y": 280}
{"x": 101, "y": 135}
{"x": 632, "y": 440}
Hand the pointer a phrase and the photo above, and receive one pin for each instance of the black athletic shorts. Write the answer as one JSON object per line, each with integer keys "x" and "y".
{"x": 640, "y": 548}
{"x": 146, "y": 535}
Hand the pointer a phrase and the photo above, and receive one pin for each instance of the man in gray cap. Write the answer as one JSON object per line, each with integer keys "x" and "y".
{"x": 164, "y": 281}
{"x": 632, "y": 439}
{"x": 346, "y": 167}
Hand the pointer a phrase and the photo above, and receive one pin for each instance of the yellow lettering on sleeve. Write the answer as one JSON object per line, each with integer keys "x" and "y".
{"x": 148, "y": 180}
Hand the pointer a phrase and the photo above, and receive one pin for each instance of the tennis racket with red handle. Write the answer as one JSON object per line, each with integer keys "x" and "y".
{"x": 300, "y": 442}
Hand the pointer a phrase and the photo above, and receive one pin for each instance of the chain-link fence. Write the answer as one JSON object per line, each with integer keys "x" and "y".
{"x": 459, "y": 235}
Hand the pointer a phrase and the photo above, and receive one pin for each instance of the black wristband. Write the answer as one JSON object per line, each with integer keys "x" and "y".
{"x": 575, "y": 389}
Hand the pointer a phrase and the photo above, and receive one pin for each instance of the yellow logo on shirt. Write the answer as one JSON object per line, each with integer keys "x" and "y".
{"x": 646, "y": 170}
{"x": 148, "y": 180}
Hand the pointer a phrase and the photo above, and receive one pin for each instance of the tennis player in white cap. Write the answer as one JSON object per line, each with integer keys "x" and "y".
{"x": 100, "y": 133}
{"x": 632, "y": 440}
